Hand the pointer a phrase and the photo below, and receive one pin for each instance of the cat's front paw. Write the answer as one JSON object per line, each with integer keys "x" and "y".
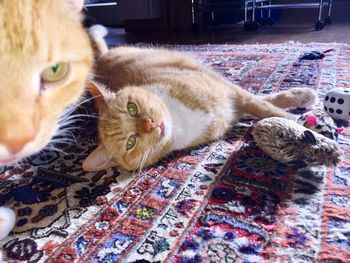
{"x": 7, "y": 221}
{"x": 303, "y": 97}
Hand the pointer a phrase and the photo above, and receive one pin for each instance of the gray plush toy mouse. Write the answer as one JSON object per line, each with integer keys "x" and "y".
{"x": 294, "y": 145}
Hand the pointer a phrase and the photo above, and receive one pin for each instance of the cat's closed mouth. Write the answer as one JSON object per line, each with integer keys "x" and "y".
{"x": 162, "y": 129}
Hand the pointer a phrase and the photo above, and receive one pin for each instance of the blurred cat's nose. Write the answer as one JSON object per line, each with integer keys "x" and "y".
{"x": 146, "y": 124}
{"x": 15, "y": 140}
{"x": 16, "y": 145}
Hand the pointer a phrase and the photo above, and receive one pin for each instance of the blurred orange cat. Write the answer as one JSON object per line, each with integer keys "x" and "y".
{"x": 45, "y": 58}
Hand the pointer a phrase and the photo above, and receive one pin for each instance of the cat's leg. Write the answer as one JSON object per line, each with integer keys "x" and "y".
{"x": 293, "y": 98}
{"x": 7, "y": 221}
{"x": 259, "y": 107}
{"x": 272, "y": 105}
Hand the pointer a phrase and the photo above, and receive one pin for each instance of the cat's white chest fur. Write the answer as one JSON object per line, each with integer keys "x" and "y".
{"x": 187, "y": 125}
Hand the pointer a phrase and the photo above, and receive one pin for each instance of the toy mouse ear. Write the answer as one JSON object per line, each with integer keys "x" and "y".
{"x": 339, "y": 130}
{"x": 309, "y": 137}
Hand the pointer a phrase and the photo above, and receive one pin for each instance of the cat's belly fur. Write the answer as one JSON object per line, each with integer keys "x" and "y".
{"x": 192, "y": 127}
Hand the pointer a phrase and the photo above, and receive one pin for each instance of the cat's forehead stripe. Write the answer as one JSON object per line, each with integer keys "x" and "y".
{"x": 20, "y": 34}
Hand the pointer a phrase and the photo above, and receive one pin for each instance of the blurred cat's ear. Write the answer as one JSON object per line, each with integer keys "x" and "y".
{"x": 76, "y": 5}
{"x": 97, "y": 160}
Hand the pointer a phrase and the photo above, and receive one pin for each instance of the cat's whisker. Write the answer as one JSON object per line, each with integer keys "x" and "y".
{"x": 76, "y": 117}
{"x": 65, "y": 144}
{"x": 56, "y": 150}
{"x": 143, "y": 160}
{"x": 65, "y": 134}
{"x": 82, "y": 115}
{"x": 71, "y": 109}
{"x": 73, "y": 136}
{"x": 68, "y": 111}
{"x": 62, "y": 135}
{"x": 70, "y": 122}
{"x": 62, "y": 138}
{"x": 64, "y": 125}
{"x": 59, "y": 141}
{"x": 90, "y": 98}
{"x": 65, "y": 129}
{"x": 72, "y": 118}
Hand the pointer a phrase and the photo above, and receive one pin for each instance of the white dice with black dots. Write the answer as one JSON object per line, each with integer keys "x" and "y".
{"x": 336, "y": 103}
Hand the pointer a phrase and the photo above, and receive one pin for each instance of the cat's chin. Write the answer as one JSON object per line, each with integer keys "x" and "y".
{"x": 165, "y": 130}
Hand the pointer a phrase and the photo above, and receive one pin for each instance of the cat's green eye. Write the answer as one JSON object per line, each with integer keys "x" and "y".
{"x": 132, "y": 109}
{"x": 55, "y": 72}
{"x": 131, "y": 142}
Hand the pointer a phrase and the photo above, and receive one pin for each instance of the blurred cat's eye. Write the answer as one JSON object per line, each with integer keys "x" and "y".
{"x": 131, "y": 142}
{"x": 55, "y": 72}
{"x": 132, "y": 109}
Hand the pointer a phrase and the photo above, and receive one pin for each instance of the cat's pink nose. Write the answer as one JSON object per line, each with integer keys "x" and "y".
{"x": 146, "y": 125}
{"x": 15, "y": 145}
{"x": 14, "y": 138}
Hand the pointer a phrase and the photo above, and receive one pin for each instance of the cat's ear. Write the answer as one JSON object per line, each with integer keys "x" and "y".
{"x": 76, "y": 5}
{"x": 99, "y": 93}
{"x": 309, "y": 138}
{"x": 97, "y": 160}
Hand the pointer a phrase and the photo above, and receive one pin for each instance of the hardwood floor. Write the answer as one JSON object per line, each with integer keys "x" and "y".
{"x": 278, "y": 33}
{"x": 293, "y": 26}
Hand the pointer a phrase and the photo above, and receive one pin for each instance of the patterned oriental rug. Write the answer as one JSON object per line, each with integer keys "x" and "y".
{"x": 225, "y": 202}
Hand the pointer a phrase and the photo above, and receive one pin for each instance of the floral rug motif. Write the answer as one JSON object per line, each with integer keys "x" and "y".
{"x": 224, "y": 202}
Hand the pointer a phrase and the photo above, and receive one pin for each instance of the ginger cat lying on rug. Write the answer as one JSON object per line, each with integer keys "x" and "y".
{"x": 154, "y": 101}
{"x": 45, "y": 58}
